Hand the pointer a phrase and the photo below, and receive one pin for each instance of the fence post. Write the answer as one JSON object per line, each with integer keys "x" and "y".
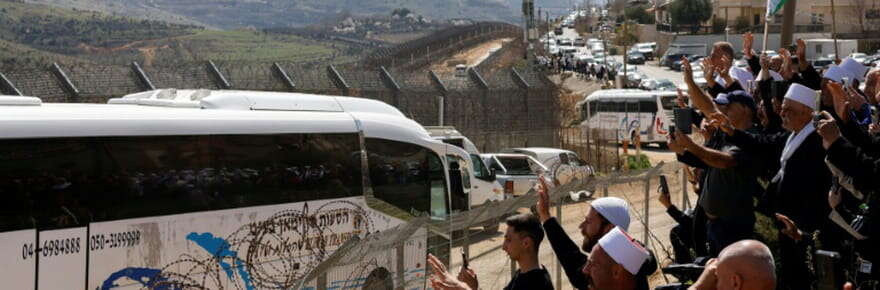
{"x": 391, "y": 84}
{"x": 444, "y": 91}
{"x": 285, "y": 78}
{"x": 478, "y": 79}
{"x": 218, "y": 76}
{"x": 685, "y": 200}
{"x": 146, "y": 84}
{"x": 559, "y": 219}
{"x": 68, "y": 85}
{"x": 6, "y": 86}
{"x": 338, "y": 80}
{"x": 647, "y": 214}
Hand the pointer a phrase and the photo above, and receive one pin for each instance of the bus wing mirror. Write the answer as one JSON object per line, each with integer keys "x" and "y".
{"x": 492, "y": 175}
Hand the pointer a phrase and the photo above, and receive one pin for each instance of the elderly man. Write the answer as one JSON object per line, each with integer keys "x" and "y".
{"x": 800, "y": 186}
{"x": 746, "y": 264}
{"x": 615, "y": 262}
{"x": 730, "y": 78}
{"x": 603, "y": 215}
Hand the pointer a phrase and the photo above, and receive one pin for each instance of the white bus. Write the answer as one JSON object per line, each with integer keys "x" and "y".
{"x": 226, "y": 190}
{"x": 621, "y": 114}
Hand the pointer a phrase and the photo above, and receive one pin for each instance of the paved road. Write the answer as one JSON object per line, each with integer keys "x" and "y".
{"x": 651, "y": 69}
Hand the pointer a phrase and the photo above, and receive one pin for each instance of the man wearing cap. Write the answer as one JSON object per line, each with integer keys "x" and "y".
{"x": 615, "y": 262}
{"x": 730, "y": 182}
{"x": 801, "y": 185}
{"x": 603, "y": 215}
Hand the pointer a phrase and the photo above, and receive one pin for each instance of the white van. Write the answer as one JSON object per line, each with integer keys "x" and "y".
{"x": 485, "y": 188}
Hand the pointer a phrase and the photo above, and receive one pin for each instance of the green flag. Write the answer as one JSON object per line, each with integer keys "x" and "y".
{"x": 773, "y": 6}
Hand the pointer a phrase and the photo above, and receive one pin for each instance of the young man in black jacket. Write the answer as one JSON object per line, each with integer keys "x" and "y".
{"x": 521, "y": 242}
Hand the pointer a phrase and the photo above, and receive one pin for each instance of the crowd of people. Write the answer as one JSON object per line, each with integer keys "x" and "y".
{"x": 780, "y": 140}
{"x": 583, "y": 69}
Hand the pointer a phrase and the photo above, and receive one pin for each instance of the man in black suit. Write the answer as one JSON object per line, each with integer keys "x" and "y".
{"x": 801, "y": 185}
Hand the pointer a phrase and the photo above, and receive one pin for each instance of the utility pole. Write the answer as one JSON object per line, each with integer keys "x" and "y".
{"x": 785, "y": 38}
{"x": 834, "y": 31}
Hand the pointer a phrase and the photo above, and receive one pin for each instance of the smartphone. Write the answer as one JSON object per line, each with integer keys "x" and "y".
{"x": 817, "y": 116}
{"x": 664, "y": 187}
{"x": 672, "y": 131}
{"x": 683, "y": 119}
{"x": 464, "y": 260}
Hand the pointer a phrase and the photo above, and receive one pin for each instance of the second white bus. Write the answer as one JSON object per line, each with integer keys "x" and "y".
{"x": 624, "y": 114}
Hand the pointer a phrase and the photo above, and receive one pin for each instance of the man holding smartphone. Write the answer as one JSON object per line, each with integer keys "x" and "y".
{"x": 522, "y": 241}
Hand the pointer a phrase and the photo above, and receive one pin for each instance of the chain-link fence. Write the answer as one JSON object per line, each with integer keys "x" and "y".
{"x": 476, "y": 233}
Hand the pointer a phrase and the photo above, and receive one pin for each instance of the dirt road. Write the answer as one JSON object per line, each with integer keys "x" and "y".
{"x": 470, "y": 57}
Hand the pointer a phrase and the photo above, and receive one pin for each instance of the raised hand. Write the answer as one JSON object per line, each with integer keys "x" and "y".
{"x": 791, "y": 230}
{"x": 469, "y": 277}
{"x": 748, "y": 39}
{"x": 841, "y": 100}
{"x": 681, "y": 99}
{"x": 686, "y": 69}
{"x": 543, "y": 204}
{"x": 828, "y": 130}
{"x": 785, "y": 70}
{"x": 802, "y": 54}
{"x": 709, "y": 71}
{"x": 834, "y": 198}
{"x": 721, "y": 121}
{"x": 441, "y": 278}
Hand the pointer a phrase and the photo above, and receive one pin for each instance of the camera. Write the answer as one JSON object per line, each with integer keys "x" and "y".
{"x": 683, "y": 119}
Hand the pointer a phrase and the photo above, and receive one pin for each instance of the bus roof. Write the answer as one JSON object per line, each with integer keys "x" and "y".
{"x": 222, "y": 113}
{"x": 630, "y": 95}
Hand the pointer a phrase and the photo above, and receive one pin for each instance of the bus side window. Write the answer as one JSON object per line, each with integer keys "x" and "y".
{"x": 648, "y": 107}
{"x": 408, "y": 176}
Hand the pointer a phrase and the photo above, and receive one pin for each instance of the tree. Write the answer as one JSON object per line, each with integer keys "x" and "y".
{"x": 639, "y": 14}
{"x": 627, "y": 34}
{"x": 690, "y": 12}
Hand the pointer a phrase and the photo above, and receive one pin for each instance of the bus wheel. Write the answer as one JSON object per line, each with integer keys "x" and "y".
{"x": 379, "y": 279}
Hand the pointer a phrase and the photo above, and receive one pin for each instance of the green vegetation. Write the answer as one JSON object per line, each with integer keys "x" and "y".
{"x": 690, "y": 12}
{"x": 638, "y": 162}
{"x": 40, "y": 34}
{"x": 639, "y": 14}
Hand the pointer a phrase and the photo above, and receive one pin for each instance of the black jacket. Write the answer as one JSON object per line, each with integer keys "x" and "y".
{"x": 801, "y": 194}
{"x": 572, "y": 259}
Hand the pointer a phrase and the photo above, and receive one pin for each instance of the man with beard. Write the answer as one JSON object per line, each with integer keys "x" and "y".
{"x": 603, "y": 215}
{"x": 615, "y": 262}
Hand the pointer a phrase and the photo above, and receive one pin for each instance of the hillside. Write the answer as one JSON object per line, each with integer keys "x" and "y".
{"x": 39, "y": 33}
{"x": 230, "y": 14}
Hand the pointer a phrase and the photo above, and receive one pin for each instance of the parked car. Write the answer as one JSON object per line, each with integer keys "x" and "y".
{"x": 558, "y": 30}
{"x": 563, "y": 166}
{"x": 859, "y": 57}
{"x": 670, "y": 59}
{"x": 517, "y": 173}
{"x": 646, "y": 49}
{"x": 676, "y": 65}
{"x": 658, "y": 85}
{"x": 821, "y": 63}
{"x": 579, "y": 42}
{"x": 634, "y": 57}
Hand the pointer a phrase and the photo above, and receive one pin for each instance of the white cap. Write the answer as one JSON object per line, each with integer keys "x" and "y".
{"x": 835, "y": 73}
{"x": 613, "y": 209}
{"x": 804, "y": 95}
{"x": 855, "y": 69}
{"x": 624, "y": 250}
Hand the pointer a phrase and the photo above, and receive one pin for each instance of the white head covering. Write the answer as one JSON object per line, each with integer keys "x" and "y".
{"x": 614, "y": 209}
{"x": 855, "y": 69}
{"x": 804, "y": 95}
{"x": 744, "y": 78}
{"x": 835, "y": 73}
{"x": 624, "y": 250}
